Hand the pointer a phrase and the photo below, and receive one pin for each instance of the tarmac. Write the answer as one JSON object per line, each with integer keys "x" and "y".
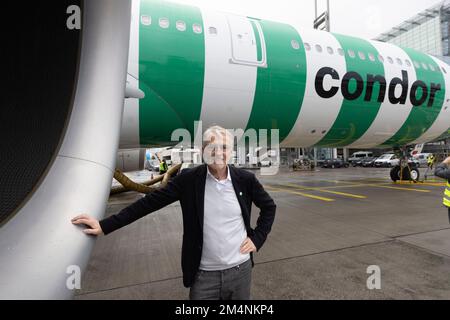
{"x": 331, "y": 227}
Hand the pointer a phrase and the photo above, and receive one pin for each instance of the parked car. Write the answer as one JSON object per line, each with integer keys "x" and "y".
{"x": 386, "y": 160}
{"x": 358, "y": 156}
{"x": 390, "y": 160}
{"x": 367, "y": 162}
{"x": 152, "y": 165}
{"x": 422, "y": 159}
{"x": 335, "y": 163}
{"x": 414, "y": 162}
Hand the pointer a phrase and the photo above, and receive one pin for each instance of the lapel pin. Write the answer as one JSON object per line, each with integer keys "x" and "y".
{"x": 240, "y": 193}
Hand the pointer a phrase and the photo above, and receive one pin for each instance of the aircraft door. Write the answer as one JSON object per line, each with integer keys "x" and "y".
{"x": 247, "y": 41}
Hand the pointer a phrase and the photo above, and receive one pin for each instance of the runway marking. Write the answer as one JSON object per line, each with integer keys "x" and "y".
{"x": 301, "y": 194}
{"x": 436, "y": 184}
{"x": 397, "y": 188}
{"x": 326, "y": 191}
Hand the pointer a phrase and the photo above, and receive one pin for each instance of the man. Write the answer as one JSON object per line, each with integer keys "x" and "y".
{"x": 443, "y": 171}
{"x": 216, "y": 201}
{"x": 163, "y": 167}
{"x": 430, "y": 161}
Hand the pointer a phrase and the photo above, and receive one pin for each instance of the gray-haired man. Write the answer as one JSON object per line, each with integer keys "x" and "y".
{"x": 216, "y": 200}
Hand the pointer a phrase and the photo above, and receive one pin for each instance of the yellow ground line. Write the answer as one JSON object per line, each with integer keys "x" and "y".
{"x": 347, "y": 186}
{"x": 327, "y": 191}
{"x": 300, "y": 193}
{"x": 334, "y": 181}
{"x": 425, "y": 184}
{"x": 397, "y": 188}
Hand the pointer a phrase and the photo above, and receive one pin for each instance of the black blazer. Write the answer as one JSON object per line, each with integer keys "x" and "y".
{"x": 189, "y": 188}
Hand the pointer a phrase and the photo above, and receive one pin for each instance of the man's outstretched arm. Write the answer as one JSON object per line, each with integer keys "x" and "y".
{"x": 150, "y": 203}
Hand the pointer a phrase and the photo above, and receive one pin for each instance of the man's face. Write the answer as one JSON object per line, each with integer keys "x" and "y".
{"x": 217, "y": 153}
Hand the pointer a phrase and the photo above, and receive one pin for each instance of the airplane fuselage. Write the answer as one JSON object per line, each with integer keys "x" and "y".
{"x": 317, "y": 88}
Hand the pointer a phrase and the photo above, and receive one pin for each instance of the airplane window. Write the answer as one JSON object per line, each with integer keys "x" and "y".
{"x": 371, "y": 57}
{"x": 181, "y": 26}
{"x": 391, "y": 61}
{"x": 164, "y": 23}
{"x": 318, "y": 48}
{"x": 340, "y": 51}
{"x": 307, "y": 46}
{"x": 399, "y": 62}
{"x": 380, "y": 58}
{"x": 295, "y": 44}
{"x": 351, "y": 53}
{"x": 416, "y": 64}
{"x": 330, "y": 50}
{"x": 212, "y": 30}
{"x": 443, "y": 69}
{"x": 431, "y": 67}
{"x": 361, "y": 55}
{"x": 197, "y": 28}
{"x": 146, "y": 20}
{"x": 424, "y": 66}
{"x": 408, "y": 63}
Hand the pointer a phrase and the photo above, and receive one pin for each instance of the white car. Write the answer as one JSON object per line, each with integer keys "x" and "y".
{"x": 422, "y": 158}
{"x": 387, "y": 160}
{"x": 390, "y": 160}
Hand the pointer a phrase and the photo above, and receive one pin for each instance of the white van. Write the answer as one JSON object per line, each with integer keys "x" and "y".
{"x": 359, "y": 155}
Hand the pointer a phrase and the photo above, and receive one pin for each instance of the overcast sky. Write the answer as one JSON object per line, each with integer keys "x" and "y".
{"x": 362, "y": 18}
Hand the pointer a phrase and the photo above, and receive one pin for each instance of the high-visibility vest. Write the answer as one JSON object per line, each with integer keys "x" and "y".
{"x": 446, "y": 201}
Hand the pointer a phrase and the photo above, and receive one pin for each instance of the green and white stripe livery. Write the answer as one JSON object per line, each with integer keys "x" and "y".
{"x": 390, "y": 117}
{"x": 245, "y": 73}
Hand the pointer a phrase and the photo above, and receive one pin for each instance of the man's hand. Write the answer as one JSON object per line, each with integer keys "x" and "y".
{"x": 95, "y": 228}
{"x": 247, "y": 246}
{"x": 447, "y": 161}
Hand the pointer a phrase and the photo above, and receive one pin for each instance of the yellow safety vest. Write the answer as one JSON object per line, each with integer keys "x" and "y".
{"x": 446, "y": 201}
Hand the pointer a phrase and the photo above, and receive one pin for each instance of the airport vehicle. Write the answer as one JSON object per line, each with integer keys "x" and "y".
{"x": 303, "y": 163}
{"x": 113, "y": 84}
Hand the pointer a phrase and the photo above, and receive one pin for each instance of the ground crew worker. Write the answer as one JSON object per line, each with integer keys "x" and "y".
{"x": 443, "y": 171}
{"x": 162, "y": 167}
{"x": 430, "y": 161}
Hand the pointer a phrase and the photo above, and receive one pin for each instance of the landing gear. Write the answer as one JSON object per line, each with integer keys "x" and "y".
{"x": 407, "y": 173}
{"x": 405, "y": 170}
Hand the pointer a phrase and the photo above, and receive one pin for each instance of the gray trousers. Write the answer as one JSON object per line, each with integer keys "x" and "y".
{"x": 229, "y": 284}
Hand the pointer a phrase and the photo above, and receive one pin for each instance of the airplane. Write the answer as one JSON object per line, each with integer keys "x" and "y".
{"x": 137, "y": 70}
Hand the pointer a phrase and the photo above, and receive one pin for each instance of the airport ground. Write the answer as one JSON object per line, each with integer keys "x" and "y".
{"x": 330, "y": 226}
